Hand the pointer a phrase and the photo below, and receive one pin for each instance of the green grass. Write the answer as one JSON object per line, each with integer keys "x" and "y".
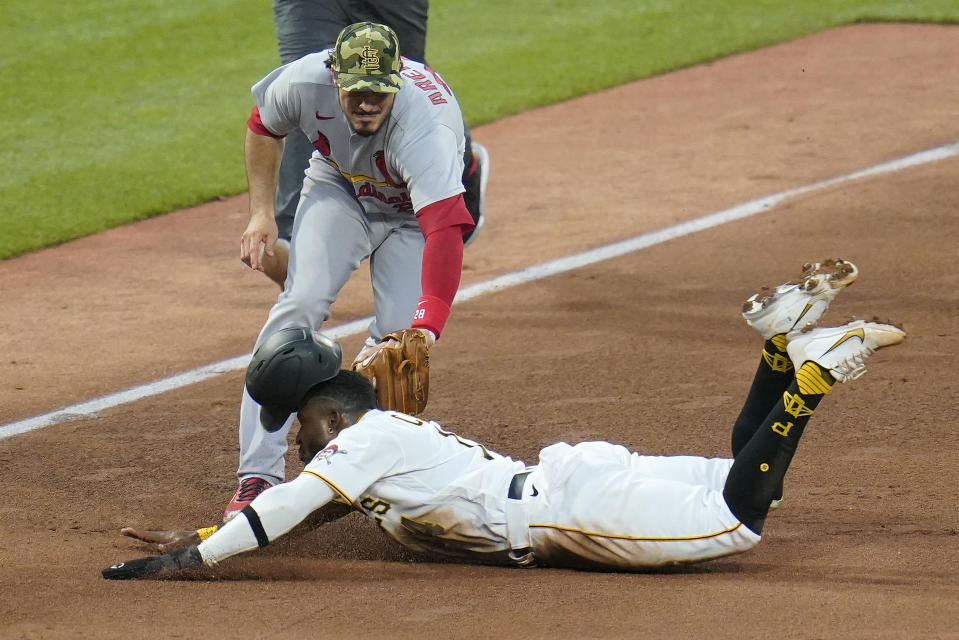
{"x": 116, "y": 111}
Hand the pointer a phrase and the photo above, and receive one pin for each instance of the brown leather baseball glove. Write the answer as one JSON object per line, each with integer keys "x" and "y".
{"x": 399, "y": 370}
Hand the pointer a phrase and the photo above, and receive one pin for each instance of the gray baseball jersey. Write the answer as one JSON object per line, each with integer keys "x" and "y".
{"x": 414, "y": 160}
{"x": 308, "y": 26}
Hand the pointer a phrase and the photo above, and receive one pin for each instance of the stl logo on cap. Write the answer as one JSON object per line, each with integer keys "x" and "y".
{"x": 371, "y": 58}
{"x": 366, "y": 57}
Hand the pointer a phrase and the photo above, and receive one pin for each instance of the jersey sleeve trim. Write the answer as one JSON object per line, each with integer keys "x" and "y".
{"x": 332, "y": 486}
{"x": 255, "y": 124}
{"x": 448, "y": 212}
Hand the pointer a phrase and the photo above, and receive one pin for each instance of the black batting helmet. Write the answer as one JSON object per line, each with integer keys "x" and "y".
{"x": 287, "y": 365}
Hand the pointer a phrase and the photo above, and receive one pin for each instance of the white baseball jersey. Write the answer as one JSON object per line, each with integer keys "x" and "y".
{"x": 413, "y": 160}
{"x": 591, "y": 505}
{"x": 430, "y": 489}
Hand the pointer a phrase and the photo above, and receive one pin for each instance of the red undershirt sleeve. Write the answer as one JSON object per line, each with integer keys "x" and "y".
{"x": 443, "y": 224}
{"x": 256, "y": 125}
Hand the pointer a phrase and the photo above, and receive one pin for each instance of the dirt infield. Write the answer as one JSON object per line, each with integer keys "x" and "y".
{"x": 647, "y": 349}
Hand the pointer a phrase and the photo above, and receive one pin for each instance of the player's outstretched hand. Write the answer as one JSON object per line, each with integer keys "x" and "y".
{"x": 145, "y": 567}
{"x": 163, "y": 540}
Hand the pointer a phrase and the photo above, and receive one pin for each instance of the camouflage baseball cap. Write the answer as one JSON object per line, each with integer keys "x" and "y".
{"x": 366, "y": 57}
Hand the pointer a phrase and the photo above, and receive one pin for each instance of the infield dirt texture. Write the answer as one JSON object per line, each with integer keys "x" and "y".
{"x": 647, "y": 349}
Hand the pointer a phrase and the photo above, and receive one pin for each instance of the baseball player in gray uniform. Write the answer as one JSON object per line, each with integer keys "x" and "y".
{"x": 384, "y": 184}
{"x": 308, "y": 26}
{"x": 592, "y": 505}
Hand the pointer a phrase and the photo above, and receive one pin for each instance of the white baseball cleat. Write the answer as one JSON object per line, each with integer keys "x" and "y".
{"x": 799, "y": 303}
{"x": 843, "y": 350}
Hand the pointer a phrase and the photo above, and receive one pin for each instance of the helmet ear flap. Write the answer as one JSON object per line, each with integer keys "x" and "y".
{"x": 285, "y": 367}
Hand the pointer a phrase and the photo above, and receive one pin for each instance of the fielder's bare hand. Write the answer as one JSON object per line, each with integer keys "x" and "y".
{"x": 258, "y": 240}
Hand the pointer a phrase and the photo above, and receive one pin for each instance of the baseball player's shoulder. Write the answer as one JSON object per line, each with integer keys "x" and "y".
{"x": 375, "y": 429}
{"x": 312, "y": 69}
{"x": 398, "y": 426}
{"x": 391, "y": 431}
{"x": 309, "y": 73}
{"x": 389, "y": 420}
{"x": 424, "y": 78}
{"x": 425, "y": 94}
{"x": 416, "y": 129}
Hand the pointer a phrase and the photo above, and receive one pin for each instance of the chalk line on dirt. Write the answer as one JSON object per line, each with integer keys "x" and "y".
{"x": 91, "y": 408}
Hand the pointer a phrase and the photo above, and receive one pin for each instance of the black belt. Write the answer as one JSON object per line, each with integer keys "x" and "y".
{"x": 516, "y": 485}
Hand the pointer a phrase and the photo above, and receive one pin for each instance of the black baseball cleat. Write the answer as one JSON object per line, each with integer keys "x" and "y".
{"x": 475, "y": 183}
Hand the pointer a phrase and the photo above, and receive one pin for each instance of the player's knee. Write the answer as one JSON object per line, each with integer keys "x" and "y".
{"x": 275, "y": 266}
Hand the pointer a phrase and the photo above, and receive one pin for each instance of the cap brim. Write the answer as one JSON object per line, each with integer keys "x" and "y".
{"x": 389, "y": 83}
{"x": 273, "y": 419}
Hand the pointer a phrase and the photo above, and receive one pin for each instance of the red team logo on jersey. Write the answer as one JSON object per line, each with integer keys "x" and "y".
{"x": 380, "y": 159}
{"x": 328, "y": 453}
{"x": 322, "y": 144}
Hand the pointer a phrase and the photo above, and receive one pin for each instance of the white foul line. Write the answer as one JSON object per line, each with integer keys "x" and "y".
{"x": 536, "y": 272}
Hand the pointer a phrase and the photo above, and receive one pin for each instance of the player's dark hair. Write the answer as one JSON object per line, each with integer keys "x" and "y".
{"x": 350, "y": 389}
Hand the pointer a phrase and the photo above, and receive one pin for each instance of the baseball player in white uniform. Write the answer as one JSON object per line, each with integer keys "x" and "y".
{"x": 592, "y": 505}
{"x": 384, "y": 184}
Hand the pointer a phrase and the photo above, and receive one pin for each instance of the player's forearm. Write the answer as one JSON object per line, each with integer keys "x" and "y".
{"x": 442, "y": 264}
{"x": 443, "y": 224}
{"x": 263, "y": 155}
{"x": 272, "y": 514}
